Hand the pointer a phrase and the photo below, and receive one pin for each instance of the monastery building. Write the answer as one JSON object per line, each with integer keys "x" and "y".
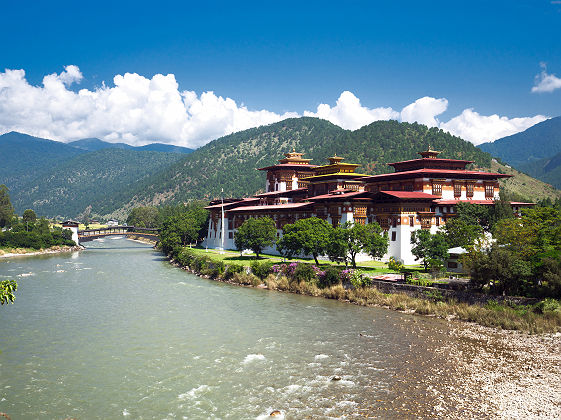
{"x": 421, "y": 194}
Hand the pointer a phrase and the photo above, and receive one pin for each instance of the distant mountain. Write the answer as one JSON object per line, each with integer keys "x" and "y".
{"x": 94, "y": 144}
{"x": 59, "y": 179}
{"x": 167, "y": 148}
{"x": 540, "y": 141}
{"x": 24, "y": 157}
{"x": 548, "y": 169}
{"x": 100, "y": 179}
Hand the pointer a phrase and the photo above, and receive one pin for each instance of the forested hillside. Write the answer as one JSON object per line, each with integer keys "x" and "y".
{"x": 100, "y": 179}
{"x": 548, "y": 169}
{"x": 25, "y": 157}
{"x": 231, "y": 161}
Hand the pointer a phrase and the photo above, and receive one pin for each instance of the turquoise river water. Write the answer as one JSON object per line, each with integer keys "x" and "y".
{"x": 115, "y": 331}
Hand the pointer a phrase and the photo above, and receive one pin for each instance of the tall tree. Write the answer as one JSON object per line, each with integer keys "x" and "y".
{"x": 307, "y": 236}
{"x": 29, "y": 216}
{"x": 147, "y": 217}
{"x": 427, "y": 246}
{"x": 256, "y": 234}
{"x": 6, "y": 208}
{"x": 360, "y": 238}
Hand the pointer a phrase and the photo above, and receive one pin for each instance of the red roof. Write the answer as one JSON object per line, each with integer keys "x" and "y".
{"x": 288, "y": 166}
{"x": 410, "y": 195}
{"x": 453, "y": 202}
{"x": 454, "y": 173}
{"x": 270, "y": 207}
{"x": 336, "y": 196}
{"x": 432, "y": 160}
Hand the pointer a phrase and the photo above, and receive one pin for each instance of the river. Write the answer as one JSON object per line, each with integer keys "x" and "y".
{"x": 115, "y": 331}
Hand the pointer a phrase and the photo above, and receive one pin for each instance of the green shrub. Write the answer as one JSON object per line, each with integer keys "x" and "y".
{"x": 261, "y": 269}
{"x": 304, "y": 273}
{"x": 434, "y": 295}
{"x": 200, "y": 263}
{"x": 214, "y": 269}
{"x": 420, "y": 282}
{"x": 233, "y": 269}
{"x": 548, "y": 305}
{"x": 184, "y": 257}
{"x": 395, "y": 265}
{"x": 358, "y": 279}
{"x": 330, "y": 278}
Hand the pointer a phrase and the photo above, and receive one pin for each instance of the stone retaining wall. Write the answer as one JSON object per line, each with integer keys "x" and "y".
{"x": 464, "y": 296}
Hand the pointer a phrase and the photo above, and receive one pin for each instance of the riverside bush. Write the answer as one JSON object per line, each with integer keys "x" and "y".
{"x": 184, "y": 257}
{"x": 233, "y": 269}
{"x": 200, "y": 263}
{"x": 261, "y": 269}
{"x": 548, "y": 305}
{"x": 304, "y": 273}
{"x": 330, "y": 277}
{"x": 358, "y": 279}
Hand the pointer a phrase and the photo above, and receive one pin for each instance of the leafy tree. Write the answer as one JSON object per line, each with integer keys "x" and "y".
{"x": 337, "y": 246}
{"x": 361, "y": 238}
{"x": 307, "y": 236}
{"x": 29, "y": 216}
{"x": 147, "y": 217}
{"x": 500, "y": 270}
{"x": 182, "y": 226}
{"x": 255, "y": 234}
{"x": 6, "y": 208}
{"x": 458, "y": 232}
{"x": 7, "y": 289}
{"x": 427, "y": 246}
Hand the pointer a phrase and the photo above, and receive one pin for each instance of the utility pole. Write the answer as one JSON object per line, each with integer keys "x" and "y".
{"x": 223, "y": 227}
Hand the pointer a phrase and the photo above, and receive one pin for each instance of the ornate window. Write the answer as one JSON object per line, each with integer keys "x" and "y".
{"x": 469, "y": 189}
{"x": 489, "y": 190}
{"x": 437, "y": 188}
{"x": 457, "y": 189}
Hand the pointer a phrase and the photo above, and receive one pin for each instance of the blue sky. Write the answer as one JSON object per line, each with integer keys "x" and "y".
{"x": 293, "y": 56}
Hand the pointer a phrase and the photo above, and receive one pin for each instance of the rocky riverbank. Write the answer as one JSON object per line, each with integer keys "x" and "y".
{"x": 23, "y": 252}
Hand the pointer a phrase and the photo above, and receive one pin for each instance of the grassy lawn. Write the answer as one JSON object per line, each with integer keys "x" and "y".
{"x": 369, "y": 267}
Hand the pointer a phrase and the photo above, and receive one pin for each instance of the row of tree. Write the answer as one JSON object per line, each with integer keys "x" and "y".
{"x": 315, "y": 237}
{"x": 28, "y": 231}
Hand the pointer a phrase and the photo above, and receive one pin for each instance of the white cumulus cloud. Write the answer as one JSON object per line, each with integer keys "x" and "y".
{"x": 545, "y": 82}
{"x": 136, "y": 110}
{"x": 478, "y": 129}
{"x": 350, "y": 114}
{"x": 424, "y": 111}
{"x": 139, "y": 110}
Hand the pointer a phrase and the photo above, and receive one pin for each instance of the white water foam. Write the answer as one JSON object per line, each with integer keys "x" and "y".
{"x": 26, "y": 274}
{"x": 252, "y": 358}
{"x": 321, "y": 356}
{"x": 194, "y": 393}
{"x": 126, "y": 412}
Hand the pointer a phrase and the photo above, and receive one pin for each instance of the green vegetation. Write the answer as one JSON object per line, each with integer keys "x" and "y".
{"x": 352, "y": 238}
{"x": 7, "y": 291}
{"x": 29, "y": 232}
{"x": 100, "y": 179}
{"x": 309, "y": 236}
{"x": 353, "y": 286}
{"x": 430, "y": 248}
{"x": 6, "y": 208}
{"x": 526, "y": 260}
{"x": 256, "y": 234}
{"x": 182, "y": 225}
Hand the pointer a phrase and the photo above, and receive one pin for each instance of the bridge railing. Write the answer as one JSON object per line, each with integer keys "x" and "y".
{"x": 116, "y": 230}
